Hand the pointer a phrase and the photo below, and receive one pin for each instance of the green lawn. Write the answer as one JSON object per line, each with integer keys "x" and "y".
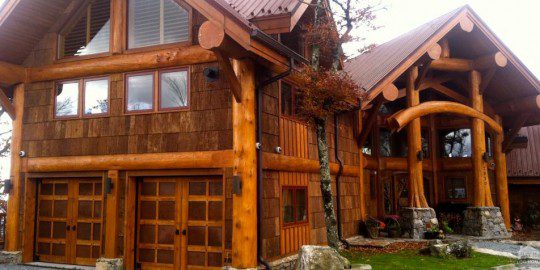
{"x": 410, "y": 259}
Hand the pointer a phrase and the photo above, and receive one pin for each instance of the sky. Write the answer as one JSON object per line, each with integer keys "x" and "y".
{"x": 516, "y": 23}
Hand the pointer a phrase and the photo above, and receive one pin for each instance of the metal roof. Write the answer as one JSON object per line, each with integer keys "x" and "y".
{"x": 369, "y": 68}
{"x": 251, "y": 9}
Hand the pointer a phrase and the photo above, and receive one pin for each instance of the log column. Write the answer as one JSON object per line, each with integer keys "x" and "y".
{"x": 500, "y": 175}
{"x": 244, "y": 238}
{"x": 14, "y": 202}
{"x": 482, "y": 193}
{"x": 111, "y": 218}
{"x": 361, "y": 164}
{"x": 414, "y": 142}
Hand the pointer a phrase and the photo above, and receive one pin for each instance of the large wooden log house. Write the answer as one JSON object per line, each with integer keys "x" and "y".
{"x": 165, "y": 132}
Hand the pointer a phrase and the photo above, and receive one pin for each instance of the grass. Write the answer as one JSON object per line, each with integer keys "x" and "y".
{"x": 411, "y": 259}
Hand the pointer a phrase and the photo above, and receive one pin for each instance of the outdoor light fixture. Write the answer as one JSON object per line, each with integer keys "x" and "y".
{"x": 277, "y": 149}
{"x": 420, "y": 155}
{"x": 237, "y": 185}
{"x": 211, "y": 74}
{"x": 22, "y": 154}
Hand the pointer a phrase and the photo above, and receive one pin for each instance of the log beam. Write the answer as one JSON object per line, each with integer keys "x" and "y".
{"x": 414, "y": 142}
{"x": 122, "y": 63}
{"x": 530, "y": 104}
{"x": 157, "y": 161}
{"x": 450, "y": 93}
{"x": 278, "y": 162}
{"x": 501, "y": 179}
{"x": 482, "y": 193}
{"x": 5, "y": 103}
{"x": 244, "y": 234}
{"x": 227, "y": 69}
{"x": 402, "y": 118}
{"x": 11, "y": 74}
{"x": 496, "y": 60}
{"x": 14, "y": 201}
{"x": 466, "y": 24}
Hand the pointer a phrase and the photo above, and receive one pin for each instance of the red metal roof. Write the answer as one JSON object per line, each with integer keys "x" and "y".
{"x": 526, "y": 162}
{"x": 250, "y": 9}
{"x": 370, "y": 68}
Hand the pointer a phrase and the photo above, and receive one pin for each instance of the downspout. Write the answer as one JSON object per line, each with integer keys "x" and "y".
{"x": 259, "y": 90}
{"x": 338, "y": 180}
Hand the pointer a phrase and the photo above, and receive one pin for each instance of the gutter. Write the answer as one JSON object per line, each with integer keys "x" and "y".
{"x": 259, "y": 91}
{"x": 278, "y": 46}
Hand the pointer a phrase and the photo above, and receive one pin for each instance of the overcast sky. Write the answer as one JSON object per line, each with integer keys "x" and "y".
{"x": 516, "y": 23}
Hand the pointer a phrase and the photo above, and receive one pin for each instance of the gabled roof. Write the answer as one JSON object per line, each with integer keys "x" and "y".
{"x": 384, "y": 64}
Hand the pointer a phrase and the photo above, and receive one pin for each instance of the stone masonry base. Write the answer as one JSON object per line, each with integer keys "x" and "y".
{"x": 10, "y": 257}
{"x": 414, "y": 221}
{"x": 109, "y": 264}
{"x": 484, "y": 222}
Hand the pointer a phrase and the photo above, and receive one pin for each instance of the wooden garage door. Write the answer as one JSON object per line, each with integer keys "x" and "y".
{"x": 180, "y": 223}
{"x": 69, "y": 221}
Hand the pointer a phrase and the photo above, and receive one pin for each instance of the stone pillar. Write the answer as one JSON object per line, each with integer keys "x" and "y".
{"x": 484, "y": 222}
{"x": 109, "y": 264}
{"x": 416, "y": 221}
{"x": 10, "y": 257}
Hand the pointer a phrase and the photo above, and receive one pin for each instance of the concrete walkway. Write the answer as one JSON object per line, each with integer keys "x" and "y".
{"x": 527, "y": 253}
{"x": 38, "y": 265}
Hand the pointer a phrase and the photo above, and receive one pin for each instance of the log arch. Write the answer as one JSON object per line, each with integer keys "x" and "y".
{"x": 404, "y": 117}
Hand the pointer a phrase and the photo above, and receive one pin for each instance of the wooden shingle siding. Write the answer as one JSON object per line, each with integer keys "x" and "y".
{"x": 296, "y": 235}
{"x": 526, "y": 162}
{"x": 205, "y": 126}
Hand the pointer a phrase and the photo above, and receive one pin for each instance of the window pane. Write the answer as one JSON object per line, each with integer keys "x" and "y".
{"x": 456, "y": 143}
{"x": 288, "y": 215}
{"x": 140, "y": 92}
{"x": 455, "y": 188}
{"x": 157, "y": 22}
{"x": 96, "y": 96}
{"x": 301, "y": 211}
{"x": 67, "y": 99}
{"x": 286, "y": 99}
{"x": 174, "y": 92}
{"x": 90, "y": 35}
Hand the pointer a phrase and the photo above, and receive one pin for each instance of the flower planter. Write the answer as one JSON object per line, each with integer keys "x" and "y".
{"x": 373, "y": 232}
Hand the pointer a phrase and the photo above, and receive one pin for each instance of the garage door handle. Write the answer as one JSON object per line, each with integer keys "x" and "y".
{"x": 67, "y": 228}
{"x": 73, "y": 227}
{"x": 177, "y": 232}
{"x": 184, "y": 232}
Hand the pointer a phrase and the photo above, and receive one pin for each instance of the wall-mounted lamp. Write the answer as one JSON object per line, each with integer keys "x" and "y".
{"x": 237, "y": 185}
{"x": 211, "y": 74}
{"x": 420, "y": 155}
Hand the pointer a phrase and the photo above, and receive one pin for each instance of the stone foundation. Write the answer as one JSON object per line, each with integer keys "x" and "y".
{"x": 484, "y": 222}
{"x": 414, "y": 221}
{"x": 10, "y": 257}
{"x": 109, "y": 264}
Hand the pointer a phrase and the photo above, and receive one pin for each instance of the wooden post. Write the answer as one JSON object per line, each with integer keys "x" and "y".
{"x": 434, "y": 144}
{"x": 362, "y": 188}
{"x": 482, "y": 193}
{"x": 244, "y": 238}
{"x": 111, "y": 217}
{"x": 118, "y": 13}
{"x": 12, "y": 226}
{"x": 500, "y": 175}
{"x": 414, "y": 140}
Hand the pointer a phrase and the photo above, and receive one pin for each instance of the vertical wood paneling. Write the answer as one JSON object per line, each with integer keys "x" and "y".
{"x": 293, "y": 137}
{"x": 294, "y": 236}
{"x": 526, "y": 162}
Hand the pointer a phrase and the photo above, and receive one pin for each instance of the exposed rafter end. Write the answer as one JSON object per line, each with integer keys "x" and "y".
{"x": 466, "y": 24}
{"x": 6, "y": 104}
{"x": 12, "y": 74}
{"x": 372, "y": 117}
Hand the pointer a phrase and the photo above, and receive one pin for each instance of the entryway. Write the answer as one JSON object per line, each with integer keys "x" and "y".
{"x": 69, "y": 221}
{"x": 180, "y": 223}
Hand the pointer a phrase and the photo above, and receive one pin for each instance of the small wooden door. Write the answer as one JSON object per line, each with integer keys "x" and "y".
{"x": 69, "y": 221}
{"x": 180, "y": 223}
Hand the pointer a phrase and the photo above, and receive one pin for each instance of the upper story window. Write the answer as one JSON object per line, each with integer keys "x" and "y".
{"x": 92, "y": 95}
{"x": 156, "y": 22}
{"x": 88, "y": 33}
{"x": 289, "y": 100}
{"x": 456, "y": 188}
{"x": 157, "y": 90}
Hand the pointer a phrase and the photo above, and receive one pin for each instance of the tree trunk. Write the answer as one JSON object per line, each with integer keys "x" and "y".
{"x": 326, "y": 186}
